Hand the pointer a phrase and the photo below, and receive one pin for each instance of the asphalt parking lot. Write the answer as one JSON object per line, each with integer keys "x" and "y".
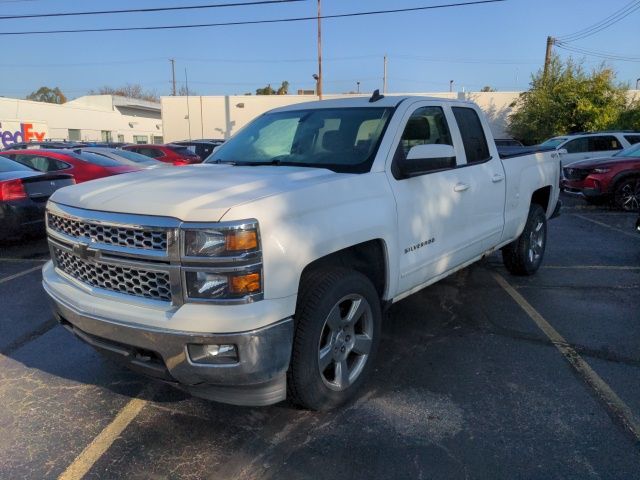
{"x": 483, "y": 375}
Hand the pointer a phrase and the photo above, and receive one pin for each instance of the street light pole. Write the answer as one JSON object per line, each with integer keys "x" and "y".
{"x": 319, "y": 88}
{"x": 637, "y": 83}
{"x": 358, "y": 84}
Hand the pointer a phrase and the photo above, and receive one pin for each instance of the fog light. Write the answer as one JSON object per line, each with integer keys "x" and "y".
{"x": 213, "y": 354}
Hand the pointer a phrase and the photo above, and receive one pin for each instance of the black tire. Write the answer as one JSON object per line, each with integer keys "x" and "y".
{"x": 322, "y": 292}
{"x": 524, "y": 255}
{"x": 626, "y": 194}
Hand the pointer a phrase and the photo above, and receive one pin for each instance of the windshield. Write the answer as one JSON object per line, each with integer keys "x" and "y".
{"x": 553, "y": 142}
{"x": 96, "y": 159}
{"x": 632, "y": 151}
{"x": 341, "y": 139}
{"x": 132, "y": 156}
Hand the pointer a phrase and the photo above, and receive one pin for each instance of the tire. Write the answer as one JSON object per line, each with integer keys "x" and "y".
{"x": 337, "y": 322}
{"x": 626, "y": 194}
{"x": 524, "y": 255}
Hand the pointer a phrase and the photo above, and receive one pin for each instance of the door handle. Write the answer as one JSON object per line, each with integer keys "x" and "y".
{"x": 497, "y": 178}
{"x": 461, "y": 187}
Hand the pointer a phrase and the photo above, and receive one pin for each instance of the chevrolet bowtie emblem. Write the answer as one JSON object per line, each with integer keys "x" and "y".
{"x": 83, "y": 251}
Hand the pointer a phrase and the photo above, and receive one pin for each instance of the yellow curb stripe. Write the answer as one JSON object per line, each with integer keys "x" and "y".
{"x": 92, "y": 453}
{"x": 19, "y": 274}
{"x": 612, "y": 401}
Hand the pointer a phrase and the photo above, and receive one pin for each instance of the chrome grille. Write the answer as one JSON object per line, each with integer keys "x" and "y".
{"x": 131, "y": 281}
{"x": 109, "y": 235}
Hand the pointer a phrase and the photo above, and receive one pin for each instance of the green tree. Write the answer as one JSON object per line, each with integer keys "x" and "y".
{"x": 268, "y": 90}
{"x": 48, "y": 95}
{"x": 129, "y": 90}
{"x": 487, "y": 88}
{"x": 567, "y": 100}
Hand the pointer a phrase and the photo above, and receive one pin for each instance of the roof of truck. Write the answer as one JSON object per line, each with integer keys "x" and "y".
{"x": 363, "y": 101}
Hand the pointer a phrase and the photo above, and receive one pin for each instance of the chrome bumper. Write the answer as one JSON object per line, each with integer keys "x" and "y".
{"x": 258, "y": 378}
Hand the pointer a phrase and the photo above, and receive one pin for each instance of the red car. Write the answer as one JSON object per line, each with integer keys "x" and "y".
{"x": 615, "y": 178}
{"x": 170, "y": 153}
{"x": 83, "y": 166}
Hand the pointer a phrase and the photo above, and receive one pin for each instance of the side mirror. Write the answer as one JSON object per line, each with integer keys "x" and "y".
{"x": 427, "y": 158}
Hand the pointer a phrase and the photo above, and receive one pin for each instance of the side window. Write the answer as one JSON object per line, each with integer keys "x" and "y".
{"x": 473, "y": 138}
{"x": 36, "y": 162}
{"x": 426, "y": 125}
{"x": 578, "y": 145}
{"x": 632, "y": 139}
{"x": 602, "y": 143}
{"x": 58, "y": 164}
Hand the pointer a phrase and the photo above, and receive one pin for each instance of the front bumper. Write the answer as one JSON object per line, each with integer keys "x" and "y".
{"x": 258, "y": 378}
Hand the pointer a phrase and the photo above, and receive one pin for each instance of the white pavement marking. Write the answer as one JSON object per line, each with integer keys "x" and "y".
{"x": 20, "y": 274}
{"x": 602, "y": 224}
{"x": 92, "y": 453}
{"x": 612, "y": 401}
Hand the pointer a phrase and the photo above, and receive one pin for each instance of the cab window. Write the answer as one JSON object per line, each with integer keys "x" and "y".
{"x": 426, "y": 125}
{"x": 473, "y": 138}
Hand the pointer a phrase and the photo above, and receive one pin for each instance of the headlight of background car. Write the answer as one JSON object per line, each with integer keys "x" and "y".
{"x": 600, "y": 170}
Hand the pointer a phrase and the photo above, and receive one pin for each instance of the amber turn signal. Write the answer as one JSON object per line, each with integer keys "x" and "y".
{"x": 244, "y": 284}
{"x": 242, "y": 240}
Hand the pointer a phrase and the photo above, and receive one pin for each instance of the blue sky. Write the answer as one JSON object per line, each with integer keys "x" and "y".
{"x": 499, "y": 44}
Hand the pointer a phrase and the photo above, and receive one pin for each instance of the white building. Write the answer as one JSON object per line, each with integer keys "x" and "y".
{"x": 92, "y": 118}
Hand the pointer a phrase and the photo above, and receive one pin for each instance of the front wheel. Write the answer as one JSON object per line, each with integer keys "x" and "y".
{"x": 626, "y": 195}
{"x": 337, "y": 334}
{"x": 524, "y": 255}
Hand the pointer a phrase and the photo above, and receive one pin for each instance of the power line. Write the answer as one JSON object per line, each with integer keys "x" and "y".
{"x": 146, "y": 10}
{"x": 604, "y": 23}
{"x": 253, "y": 22}
{"x": 594, "y": 53}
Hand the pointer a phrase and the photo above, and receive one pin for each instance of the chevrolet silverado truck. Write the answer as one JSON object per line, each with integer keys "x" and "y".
{"x": 263, "y": 273}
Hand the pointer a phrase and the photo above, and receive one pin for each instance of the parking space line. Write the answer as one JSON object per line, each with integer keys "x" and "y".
{"x": 602, "y": 224}
{"x": 591, "y": 267}
{"x": 101, "y": 443}
{"x": 20, "y": 274}
{"x": 611, "y": 400}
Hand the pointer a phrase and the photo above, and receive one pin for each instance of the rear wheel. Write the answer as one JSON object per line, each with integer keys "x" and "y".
{"x": 337, "y": 333}
{"x": 524, "y": 255}
{"x": 626, "y": 194}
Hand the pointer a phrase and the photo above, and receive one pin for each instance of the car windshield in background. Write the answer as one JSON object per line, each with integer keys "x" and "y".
{"x": 633, "y": 151}
{"x": 96, "y": 159}
{"x": 186, "y": 151}
{"x": 8, "y": 165}
{"x": 132, "y": 156}
{"x": 553, "y": 142}
{"x": 341, "y": 139}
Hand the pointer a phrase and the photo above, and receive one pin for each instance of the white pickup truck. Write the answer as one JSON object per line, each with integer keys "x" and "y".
{"x": 263, "y": 272}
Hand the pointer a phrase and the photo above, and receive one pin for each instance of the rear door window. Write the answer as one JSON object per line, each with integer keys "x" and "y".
{"x": 475, "y": 144}
{"x": 632, "y": 139}
{"x": 577, "y": 145}
{"x": 603, "y": 143}
{"x": 40, "y": 163}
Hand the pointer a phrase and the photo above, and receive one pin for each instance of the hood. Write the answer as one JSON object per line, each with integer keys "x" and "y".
{"x": 600, "y": 162}
{"x": 196, "y": 193}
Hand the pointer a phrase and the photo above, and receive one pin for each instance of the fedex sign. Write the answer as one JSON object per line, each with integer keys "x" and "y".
{"x": 16, "y": 132}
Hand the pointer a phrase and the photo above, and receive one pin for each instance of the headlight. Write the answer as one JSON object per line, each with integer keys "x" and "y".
{"x": 222, "y": 286}
{"x": 600, "y": 170}
{"x": 222, "y": 262}
{"x": 221, "y": 242}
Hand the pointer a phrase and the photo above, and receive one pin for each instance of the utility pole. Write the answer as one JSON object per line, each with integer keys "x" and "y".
{"x": 186, "y": 84}
{"x": 547, "y": 57}
{"x": 173, "y": 75}
{"x": 358, "y": 85}
{"x": 450, "y": 85}
{"x": 384, "y": 75}
{"x": 319, "y": 52}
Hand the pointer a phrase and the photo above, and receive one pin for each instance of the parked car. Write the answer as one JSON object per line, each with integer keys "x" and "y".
{"x": 265, "y": 270}
{"x": 582, "y": 146}
{"x": 202, "y": 148}
{"x": 82, "y": 165}
{"x": 508, "y": 142}
{"x": 169, "y": 153}
{"x": 49, "y": 145}
{"x": 126, "y": 157}
{"x": 616, "y": 178}
{"x": 23, "y": 195}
